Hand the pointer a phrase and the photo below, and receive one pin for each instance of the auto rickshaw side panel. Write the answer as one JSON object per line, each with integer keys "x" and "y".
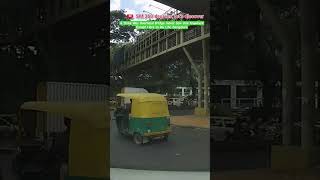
{"x": 89, "y": 136}
{"x": 149, "y": 125}
{"x": 92, "y": 159}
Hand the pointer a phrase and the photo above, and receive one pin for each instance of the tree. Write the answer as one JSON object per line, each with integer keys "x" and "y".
{"x": 242, "y": 27}
{"x": 120, "y": 34}
{"x": 287, "y": 39}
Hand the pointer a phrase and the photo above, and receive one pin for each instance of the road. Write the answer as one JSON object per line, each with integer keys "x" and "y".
{"x": 181, "y": 112}
{"x": 188, "y": 149}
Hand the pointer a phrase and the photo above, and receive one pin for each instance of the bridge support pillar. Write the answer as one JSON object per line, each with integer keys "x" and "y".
{"x": 199, "y": 75}
{"x": 205, "y": 75}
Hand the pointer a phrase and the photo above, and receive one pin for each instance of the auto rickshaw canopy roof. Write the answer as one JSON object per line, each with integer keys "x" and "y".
{"x": 93, "y": 113}
{"x": 89, "y": 135}
{"x": 147, "y": 105}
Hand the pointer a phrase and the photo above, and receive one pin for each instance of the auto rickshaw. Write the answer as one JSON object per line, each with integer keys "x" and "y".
{"x": 88, "y": 142}
{"x": 146, "y": 117}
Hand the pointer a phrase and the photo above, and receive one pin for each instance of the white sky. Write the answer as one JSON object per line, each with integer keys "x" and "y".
{"x": 138, "y": 6}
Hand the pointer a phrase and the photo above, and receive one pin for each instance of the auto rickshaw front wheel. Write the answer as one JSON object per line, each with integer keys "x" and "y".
{"x": 137, "y": 138}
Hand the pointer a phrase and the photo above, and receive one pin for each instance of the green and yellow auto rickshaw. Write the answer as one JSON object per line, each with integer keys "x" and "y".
{"x": 88, "y": 142}
{"x": 145, "y": 116}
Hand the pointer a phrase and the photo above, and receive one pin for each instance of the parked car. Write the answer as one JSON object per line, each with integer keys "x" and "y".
{"x": 175, "y": 102}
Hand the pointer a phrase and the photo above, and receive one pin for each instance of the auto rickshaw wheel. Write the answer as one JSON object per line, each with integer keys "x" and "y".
{"x": 137, "y": 138}
{"x": 166, "y": 138}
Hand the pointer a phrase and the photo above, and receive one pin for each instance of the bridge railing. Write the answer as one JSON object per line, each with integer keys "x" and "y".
{"x": 192, "y": 33}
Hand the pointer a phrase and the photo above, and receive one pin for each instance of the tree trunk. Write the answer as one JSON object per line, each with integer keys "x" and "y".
{"x": 205, "y": 75}
{"x": 308, "y": 56}
{"x": 267, "y": 99}
{"x": 263, "y": 63}
{"x": 288, "y": 94}
{"x": 199, "y": 91}
{"x": 288, "y": 68}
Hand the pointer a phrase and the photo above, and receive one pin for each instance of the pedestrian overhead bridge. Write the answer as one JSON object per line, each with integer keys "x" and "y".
{"x": 160, "y": 46}
{"x": 155, "y": 43}
{"x": 154, "y": 48}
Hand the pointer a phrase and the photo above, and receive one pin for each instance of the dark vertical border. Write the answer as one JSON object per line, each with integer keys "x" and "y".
{"x": 107, "y": 28}
{"x": 211, "y": 63}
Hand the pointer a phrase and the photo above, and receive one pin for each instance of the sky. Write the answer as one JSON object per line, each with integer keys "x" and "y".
{"x": 138, "y": 6}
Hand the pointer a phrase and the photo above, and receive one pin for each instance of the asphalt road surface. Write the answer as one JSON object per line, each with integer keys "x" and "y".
{"x": 188, "y": 149}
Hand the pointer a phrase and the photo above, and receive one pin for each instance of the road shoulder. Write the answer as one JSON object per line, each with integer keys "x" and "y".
{"x": 191, "y": 121}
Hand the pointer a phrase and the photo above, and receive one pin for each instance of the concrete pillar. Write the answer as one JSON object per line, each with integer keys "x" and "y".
{"x": 233, "y": 100}
{"x": 202, "y": 30}
{"x": 199, "y": 91}
{"x": 181, "y": 36}
{"x": 166, "y": 43}
{"x": 205, "y": 75}
{"x": 199, "y": 75}
{"x": 177, "y": 37}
